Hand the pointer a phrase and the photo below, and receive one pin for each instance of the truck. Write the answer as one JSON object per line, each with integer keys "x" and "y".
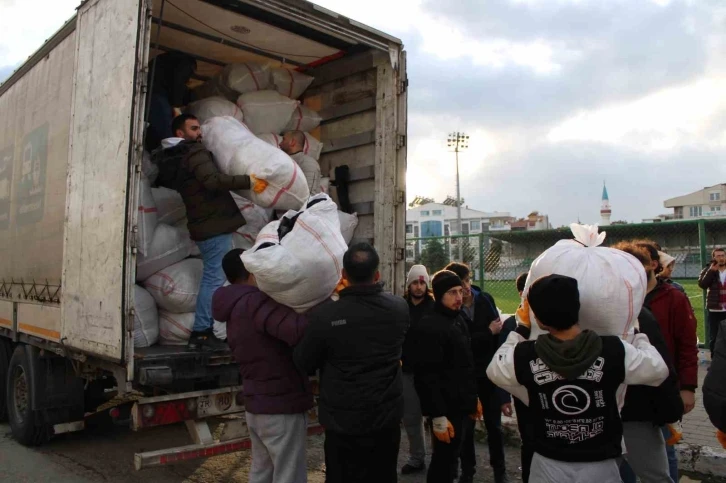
{"x": 71, "y": 149}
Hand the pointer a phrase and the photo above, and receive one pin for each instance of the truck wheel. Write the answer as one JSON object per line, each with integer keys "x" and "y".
{"x": 26, "y": 424}
{"x": 6, "y": 351}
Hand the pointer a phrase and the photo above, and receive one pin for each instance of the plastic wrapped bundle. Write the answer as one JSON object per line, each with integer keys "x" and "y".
{"x": 148, "y": 216}
{"x": 168, "y": 246}
{"x": 266, "y": 111}
{"x": 213, "y": 107}
{"x": 176, "y": 287}
{"x": 146, "y": 319}
{"x": 246, "y": 77}
{"x": 169, "y": 205}
{"x": 175, "y": 329}
{"x": 290, "y": 83}
{"x": 303, "y": 119}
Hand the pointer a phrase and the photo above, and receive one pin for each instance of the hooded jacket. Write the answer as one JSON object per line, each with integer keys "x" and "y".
{"x": 443, "y": 364}
{"x": 262, "y": 334}
{"x": 674, "y": 314}
{"x": 187, "y": 167}
{"x": 416, "y": 313}
{"x": 483, "y": 343}
{"x": 714, "y": 386}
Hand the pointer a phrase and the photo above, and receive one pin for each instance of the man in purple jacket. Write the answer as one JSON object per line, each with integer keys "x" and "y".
{"x": 262, "y": 334}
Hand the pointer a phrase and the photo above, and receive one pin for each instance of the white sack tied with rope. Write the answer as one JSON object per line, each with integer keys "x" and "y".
{"x": 612, "y": 283}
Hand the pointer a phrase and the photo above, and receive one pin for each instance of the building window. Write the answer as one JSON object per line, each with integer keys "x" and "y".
{"x": 475, "y": 225}
{"x": 415, "y": 231}
{"x": 695, "y": 211}
{"x": 430, "y": 228}
{"x": 409, "y": 253}
{"x": 424, "y": 213}
{"x": 447, "y": 232}
{"x": 715, "y": 208}
{"x": 409, "y": 229}
{"x": 464, "y": 228}
{"x": 714, "y": 196}
{"x": 436, "y": 212}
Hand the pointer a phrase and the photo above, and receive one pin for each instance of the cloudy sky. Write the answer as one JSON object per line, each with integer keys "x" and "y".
{"x": 557, "y": 96}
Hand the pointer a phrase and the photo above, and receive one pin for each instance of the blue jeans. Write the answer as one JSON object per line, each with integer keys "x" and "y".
{"x": 671, "y": 452}
{"x": 213, "y": 250}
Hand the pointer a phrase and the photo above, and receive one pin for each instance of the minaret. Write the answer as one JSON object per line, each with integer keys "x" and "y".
{"x": 605, "y": 207}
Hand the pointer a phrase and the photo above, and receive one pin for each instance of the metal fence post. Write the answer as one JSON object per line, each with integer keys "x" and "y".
{"x": 481, "y": 259}
{"x": 703, "y": 258}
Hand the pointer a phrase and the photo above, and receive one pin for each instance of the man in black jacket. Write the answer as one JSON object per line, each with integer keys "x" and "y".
{"x": 714, "y": 387}
{"x": 484, "y": 325}
{"x": 444, "y": 374}
{"x": 356, "y": 343}
{"x": 420, "y": 303}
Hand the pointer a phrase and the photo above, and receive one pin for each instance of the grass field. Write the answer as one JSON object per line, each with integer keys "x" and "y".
{"x": 507, "y": 298}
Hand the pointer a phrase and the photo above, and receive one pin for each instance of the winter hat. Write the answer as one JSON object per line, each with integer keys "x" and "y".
{"x": 417, "y": 272}
{"x": 665, "y": 259}
{"x": 555, "y": 301}
{"x": 444, "y": 281}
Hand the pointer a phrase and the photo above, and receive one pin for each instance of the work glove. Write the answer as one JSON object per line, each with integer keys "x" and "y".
{"x": 721, "y": 438}
{"x": 522, "y": 314}
{"x": 258, "y": 185}
{"x": 676, "y": 431}
{"x": 443, "y": 429}
{"x": 479, "y": 411}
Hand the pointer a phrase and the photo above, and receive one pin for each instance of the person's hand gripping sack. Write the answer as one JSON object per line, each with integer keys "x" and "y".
{"x": 443, "y": 429}
{"x": 479, "y": 411}
{"x": 522, "y": 314}
{"x": 258, "y": 185}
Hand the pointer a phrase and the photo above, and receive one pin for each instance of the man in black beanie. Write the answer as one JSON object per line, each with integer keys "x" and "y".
{"x": 444, "y": 373}
{"x": 570, "y": 380}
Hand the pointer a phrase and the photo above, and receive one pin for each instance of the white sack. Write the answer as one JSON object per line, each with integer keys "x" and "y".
{"x": 325, "y": 185}
{"x": 246, "y": 77}
{"x": 305, "y": 266}
{"x": 146, "y": 319}
{"x": 169, "y": 205}
{"x": 213, "y": 107}
{"x": 311, "y": 170}
{"x": 271, "y": 138}
{"x": 290, "y": 83}
{"x": 148, "y": 215}
{"x": 176, "y": 287}
{"x": 256, "y": 218}
{"x": 303, "y": 119}
{"x": 215, "y": 87}
{"x": 348, "y": 224}
{"x": 182, "y": 226}
{"x": 175, "y": 329}
{"x": 612, "y": 283}
{"x": 266, "y": 111}
{"x": 148, "y": 168}
{"x": 168, "y": 246}
{"x": 313, "y": 147}
{"x": 238, "y": 152}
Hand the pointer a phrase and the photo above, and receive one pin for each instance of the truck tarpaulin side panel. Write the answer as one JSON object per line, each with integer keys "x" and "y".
{"x": 101, "y": 150}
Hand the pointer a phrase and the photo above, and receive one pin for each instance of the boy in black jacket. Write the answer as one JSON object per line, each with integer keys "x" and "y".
{"x": 571, "y": 378}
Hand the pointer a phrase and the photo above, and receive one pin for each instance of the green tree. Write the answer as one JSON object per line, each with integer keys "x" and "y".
{"x": 433, "y": 256}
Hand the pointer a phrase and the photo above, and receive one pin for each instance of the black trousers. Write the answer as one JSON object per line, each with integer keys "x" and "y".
{"x": 362, "y": 458}
{"x": 491, "y": 406}
{"x": 714, "y": 320}
{"x": 445, "y": 455}
{"x": 525, "y": 432}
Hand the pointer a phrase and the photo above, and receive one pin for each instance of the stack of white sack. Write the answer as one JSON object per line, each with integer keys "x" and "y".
{"x": 266, "y": 111}
{"x": 183, "y": 227}
{"x": 168, "y": 246}
{"x": 303, "y": 267}
{"x": 146, "y": 319}
{"x": 148, "y": 216}
{"x": 175, "y": 288}
{"x": 311, "y": 170}
{"x": 239, "y": 152}
{"x": 175, "y": 329}
{"x": 255, "y": 216}
{"x": 235, "y": 79}
{"x": 169, "y": 205}
{"x": 290, "y": 83}
{"x": 213, "y": 107}
{"x": 303, "y": 119}
{"x": 612, "y": 283}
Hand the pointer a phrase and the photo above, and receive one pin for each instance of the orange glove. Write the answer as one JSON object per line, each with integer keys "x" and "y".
{"x": 479, "y": 411}
{"x": 443, "y": 430}
{"x": 721, "y": 438}
{"x": 258, "y": 185}
{"x": 522, "y": 314}
{"x": 676, "y": 431}
{"x": 342, "y": 284}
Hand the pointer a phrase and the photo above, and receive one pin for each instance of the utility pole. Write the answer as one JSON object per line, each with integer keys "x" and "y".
{"x": 459, "y": 141}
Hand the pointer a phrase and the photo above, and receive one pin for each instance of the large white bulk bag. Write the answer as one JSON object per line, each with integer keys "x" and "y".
{"x": 175, "y": 329}
{"x": 255, "y": 216}
{"x": 303, "y": 268}
{"x": 348, "y": 224}
{"x": 303, "y": 119}
{"x": 213, "y": 107}
{"x": 215, "y": 87}
{"x": 312, "y": 147}
{"x": 148, "y": 168}
{"x": 290, "y": 83}
{"x": 168, "y": 246}
{"x": 238, "y": 152}
{"x": 183, "y": 227}
{"x": 612, "y": 283}
{"x": 146, "y": 319}
{"x": 311, "y": 170}
{"x": 271, "y": 138}
{"x": 246, "y": 77}
{"x": 148, "y": 216}
{"x": 266, "y": 111}
{"x": 176, "y": 287}
{"x": 169, "y": 205}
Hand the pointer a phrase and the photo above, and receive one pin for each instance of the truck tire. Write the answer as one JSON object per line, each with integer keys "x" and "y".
{"x": 26, "y": 425}
{"x": 6, "y": 352}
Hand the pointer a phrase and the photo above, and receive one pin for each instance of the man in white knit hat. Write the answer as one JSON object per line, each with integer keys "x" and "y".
{"x": 420, "y": 303}
{"x": 668, "y": 263}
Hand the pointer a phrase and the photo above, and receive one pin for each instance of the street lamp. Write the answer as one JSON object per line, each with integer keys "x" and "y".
{"x": 459, "y": 141}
